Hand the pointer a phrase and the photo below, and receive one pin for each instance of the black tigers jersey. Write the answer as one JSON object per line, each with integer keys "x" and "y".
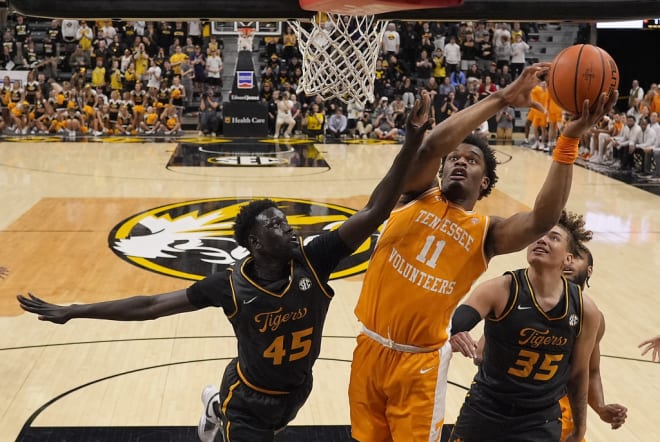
{"x": 138, "y": 97}
{"x": 163, "y": 95}
{"x": 528, "y": 351}
{"x": 278, "y": 325}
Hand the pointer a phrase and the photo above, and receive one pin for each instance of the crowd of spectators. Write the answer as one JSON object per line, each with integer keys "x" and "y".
{"x": 458, "y": 63}
{"x": 137, "y": 77}
{"x": 106, "y": 77}
{"x": 628, "y": 140}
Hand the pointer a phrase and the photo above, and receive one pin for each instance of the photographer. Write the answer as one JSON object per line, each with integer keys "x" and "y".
{"x": 364, "y": 126}
{"x": 209, "y": 114}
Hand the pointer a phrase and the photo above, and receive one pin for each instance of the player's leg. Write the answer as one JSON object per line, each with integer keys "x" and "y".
{"x": 366, "y": 399}
{"x": 416, "y": 389}
{"x": 245, "y": 414}
{"x": 471, "y": 424}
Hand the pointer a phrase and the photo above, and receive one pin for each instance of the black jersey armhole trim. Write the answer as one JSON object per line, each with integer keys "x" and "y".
{"x": 581, "y": 311}
{"x": 313, "y": 270}
{"x": 233, "y": 294}
{"x": 514, "y": 288}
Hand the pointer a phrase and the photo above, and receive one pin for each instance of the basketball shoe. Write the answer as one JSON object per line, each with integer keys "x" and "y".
{"x": 209, "y": 422}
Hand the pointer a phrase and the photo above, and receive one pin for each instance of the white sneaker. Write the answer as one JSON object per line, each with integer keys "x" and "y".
{"x": 209, "y": 423}
{"x": 276, "y": 136}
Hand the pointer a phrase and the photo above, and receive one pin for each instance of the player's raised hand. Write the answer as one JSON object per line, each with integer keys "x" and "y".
{"x": 419, "y": 119}
{"x": 587, "y": 119}
{"x": 58, "y": 314}
{"x": 517, "y": 94}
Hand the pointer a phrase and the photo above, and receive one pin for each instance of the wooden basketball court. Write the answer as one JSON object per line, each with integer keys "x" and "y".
{"x": 62, "y": 200}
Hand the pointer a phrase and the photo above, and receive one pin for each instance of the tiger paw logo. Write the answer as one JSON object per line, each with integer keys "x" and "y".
{"x": 193, "y": 239}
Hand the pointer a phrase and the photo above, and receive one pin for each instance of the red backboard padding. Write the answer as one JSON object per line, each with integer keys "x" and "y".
{"x": 371, "y": 7}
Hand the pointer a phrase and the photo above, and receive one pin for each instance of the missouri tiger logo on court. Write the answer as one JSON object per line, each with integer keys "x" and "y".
{"x": 193, "y": 239}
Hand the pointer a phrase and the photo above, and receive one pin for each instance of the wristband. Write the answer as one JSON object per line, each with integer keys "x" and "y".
{"x": 566, "y": 150}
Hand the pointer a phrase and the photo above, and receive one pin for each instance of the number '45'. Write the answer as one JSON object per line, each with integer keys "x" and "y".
{"x": 300, "y": 347}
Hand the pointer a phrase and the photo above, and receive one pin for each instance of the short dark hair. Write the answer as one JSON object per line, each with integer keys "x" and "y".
{"x": 573, "y": 224}
{"x": 246, "y": 219}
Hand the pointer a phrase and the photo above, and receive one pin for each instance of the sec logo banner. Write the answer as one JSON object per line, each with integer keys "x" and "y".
{"x": 193, "y": 239}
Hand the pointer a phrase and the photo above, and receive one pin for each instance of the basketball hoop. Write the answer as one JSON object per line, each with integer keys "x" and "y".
{"x": 245, "y": 37}
{"x": 339, "y": 55}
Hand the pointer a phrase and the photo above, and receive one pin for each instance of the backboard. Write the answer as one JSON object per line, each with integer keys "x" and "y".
{"x": 230, "y": 10}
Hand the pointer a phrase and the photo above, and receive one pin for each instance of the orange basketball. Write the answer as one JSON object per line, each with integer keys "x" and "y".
{"x": 579, "y": 73}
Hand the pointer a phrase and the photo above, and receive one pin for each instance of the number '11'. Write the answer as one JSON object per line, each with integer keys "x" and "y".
{"x": 439, "y": 245}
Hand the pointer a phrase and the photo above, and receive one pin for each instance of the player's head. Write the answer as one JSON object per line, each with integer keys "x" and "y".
{"x": 580, "y": 269}
{"x": 262, "y": 228}
{"x": 469, "y": 171}
{"x": 561, "y": 243}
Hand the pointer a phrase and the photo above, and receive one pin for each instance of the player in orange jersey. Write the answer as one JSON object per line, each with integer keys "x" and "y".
{"x": 538, "y": 117}
{"x": 433, "y": 247}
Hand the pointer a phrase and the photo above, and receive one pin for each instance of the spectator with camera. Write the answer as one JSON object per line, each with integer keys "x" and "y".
{"x": 364, "y": 126}
{"x": 209, "y": 114}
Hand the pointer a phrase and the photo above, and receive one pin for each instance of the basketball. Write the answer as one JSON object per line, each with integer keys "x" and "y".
{"x": 581, "y": 72}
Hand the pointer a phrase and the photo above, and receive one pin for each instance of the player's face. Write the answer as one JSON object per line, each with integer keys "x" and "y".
{"x": 274, "y": 236}
{"x": 463, "y": 173}
{"x": 578, "y": 270}
{"x": 551, "y": 249}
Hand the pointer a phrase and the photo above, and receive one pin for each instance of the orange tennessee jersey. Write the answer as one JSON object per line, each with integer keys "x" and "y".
{"x": 540, "y": 95}
{"x": 552, "y": 107}
{"x": 428, "y": 256}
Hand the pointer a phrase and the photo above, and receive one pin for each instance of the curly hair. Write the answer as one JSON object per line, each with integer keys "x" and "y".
{"x": 489, "y": 159}
{"x": 573, "y": 223}
{"x": 246, "y": 218}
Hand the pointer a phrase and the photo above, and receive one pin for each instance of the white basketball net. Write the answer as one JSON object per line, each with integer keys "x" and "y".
{"x": 339, "y": 56}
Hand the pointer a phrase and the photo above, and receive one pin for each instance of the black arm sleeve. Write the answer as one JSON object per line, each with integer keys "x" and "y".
{"x": 465, "y": 318}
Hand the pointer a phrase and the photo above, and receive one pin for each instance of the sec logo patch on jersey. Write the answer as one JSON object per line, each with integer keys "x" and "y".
{"x": 304, "y": 284}
{"x": 193, "y": 239}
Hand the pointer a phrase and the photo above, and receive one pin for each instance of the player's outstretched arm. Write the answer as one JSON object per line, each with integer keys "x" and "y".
{"x": 578, "y": 382}
{"x": 518, "y": 231}
{"x": 613, "y": 414}
{"x": 651, "y": 344}
{"x": 136, "y": 308}
{"x": 386, "y": 194}
{"x": 448, "y": 134}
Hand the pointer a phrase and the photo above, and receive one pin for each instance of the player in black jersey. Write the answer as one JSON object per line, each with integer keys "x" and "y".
{"x": 579, "y": 271}
{"x": 276, "y": 300}
{"x": 540, "y": 332}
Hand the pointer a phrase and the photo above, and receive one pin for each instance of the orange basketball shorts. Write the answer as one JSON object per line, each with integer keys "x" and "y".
{"x": 566, "y": 418}
{"x": 395, "y": 395}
